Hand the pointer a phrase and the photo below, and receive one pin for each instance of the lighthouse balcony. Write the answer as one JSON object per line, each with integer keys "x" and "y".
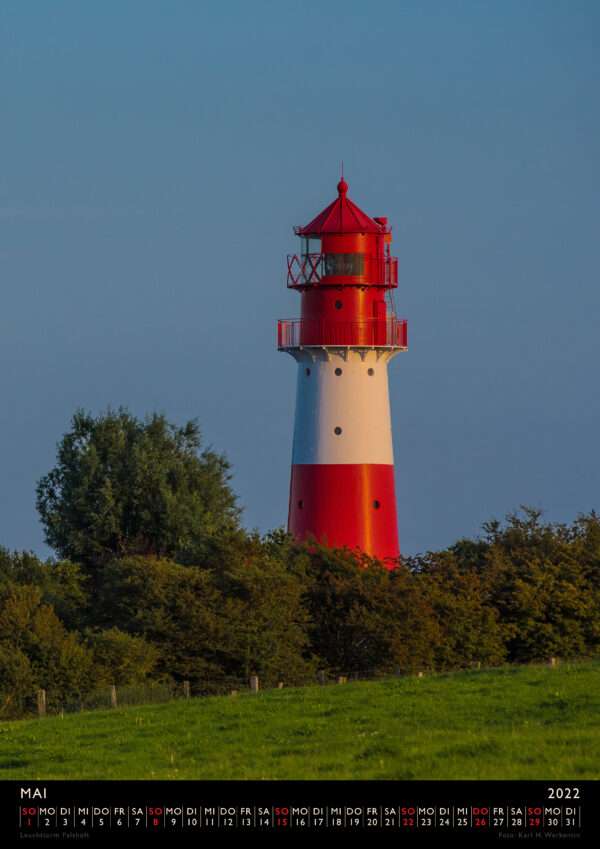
{"x": 312, "y": 269}
{"x": 389, "y": 332}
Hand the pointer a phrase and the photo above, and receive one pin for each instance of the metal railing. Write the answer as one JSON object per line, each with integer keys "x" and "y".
{"x": 370, "y": 333}
{"x": 315, "y": 269}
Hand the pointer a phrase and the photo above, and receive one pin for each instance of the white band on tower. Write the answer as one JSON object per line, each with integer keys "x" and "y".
{"x": 343, "y": 409}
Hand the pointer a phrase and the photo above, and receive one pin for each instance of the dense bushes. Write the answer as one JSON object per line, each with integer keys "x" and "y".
{"x": 525, "y": 591}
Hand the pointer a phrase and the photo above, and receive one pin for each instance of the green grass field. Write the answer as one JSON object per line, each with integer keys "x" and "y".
{"x": 531, "y": 722}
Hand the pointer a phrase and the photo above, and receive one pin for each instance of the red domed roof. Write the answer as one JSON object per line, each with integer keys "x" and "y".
{"x": 341, "y": 216}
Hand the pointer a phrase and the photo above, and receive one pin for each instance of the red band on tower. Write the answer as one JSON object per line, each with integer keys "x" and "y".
{"x": 325, "y": 502}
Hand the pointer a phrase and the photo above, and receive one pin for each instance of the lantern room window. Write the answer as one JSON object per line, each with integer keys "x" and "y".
{"x": 344, "y": 265}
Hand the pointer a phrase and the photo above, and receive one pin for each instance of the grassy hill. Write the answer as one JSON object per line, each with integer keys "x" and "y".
{"x": 531, "y": 722}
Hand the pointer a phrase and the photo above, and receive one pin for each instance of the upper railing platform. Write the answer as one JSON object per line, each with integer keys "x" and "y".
{"x": 389, "y": 332}
{"x": 305, "y": 270}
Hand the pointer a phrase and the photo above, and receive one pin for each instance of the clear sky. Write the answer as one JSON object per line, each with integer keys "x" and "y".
{"x": 155, "y": 156}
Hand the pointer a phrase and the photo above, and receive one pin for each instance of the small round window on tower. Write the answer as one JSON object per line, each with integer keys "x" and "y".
{"x": 337, "y": 431}
{"x": 371, "y": 372}
{"x": 376, "y": 504}
{"x": 338, "y": 371}
{"x": 338, "y": 305}
{"x": 307, "y": 372}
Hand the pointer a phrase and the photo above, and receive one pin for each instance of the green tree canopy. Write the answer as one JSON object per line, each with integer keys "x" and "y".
{"x": 124, "y": 487}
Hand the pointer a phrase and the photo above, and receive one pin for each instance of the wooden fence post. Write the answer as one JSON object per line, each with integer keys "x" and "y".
{"x": 420, "y": 674}
{"x": 280, "y": 685}
{"x": 254, "y": 683}
{"x": 553, "y": 661}
{"x": 322, "y": 676}
{"x": 186, "y": 689}
{"x": 113, "y": 695}
{"x": 41, "y": 702}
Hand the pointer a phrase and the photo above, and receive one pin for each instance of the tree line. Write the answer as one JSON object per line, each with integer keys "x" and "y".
{"x": 155, "y": 579}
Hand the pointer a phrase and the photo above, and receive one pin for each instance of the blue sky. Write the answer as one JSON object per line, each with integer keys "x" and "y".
{"x": 155, "y": 158}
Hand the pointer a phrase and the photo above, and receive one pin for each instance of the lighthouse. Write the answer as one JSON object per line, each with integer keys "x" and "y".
{"x": 342, "y": 489}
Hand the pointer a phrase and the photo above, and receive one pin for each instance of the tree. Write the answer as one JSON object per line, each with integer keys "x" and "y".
{"x": 540, "y": 578}
{"x": 174, "y": 608}
{"x": 16, "y": 682}
{"x": 63, "y": 585}
{"x": 124, "y": 487}
{"x": 364, "y": 618}
{"x": 120, "y": 658}
{"x": 41, "y": 647}
{"x": 265, "y": 620}
{"x": 468, "y": 626}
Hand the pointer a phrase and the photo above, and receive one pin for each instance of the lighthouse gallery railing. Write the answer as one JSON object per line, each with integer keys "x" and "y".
{"x": 371, "y": 333}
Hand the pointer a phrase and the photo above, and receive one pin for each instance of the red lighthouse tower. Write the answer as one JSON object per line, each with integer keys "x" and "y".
{"x": 342, "y": 485}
